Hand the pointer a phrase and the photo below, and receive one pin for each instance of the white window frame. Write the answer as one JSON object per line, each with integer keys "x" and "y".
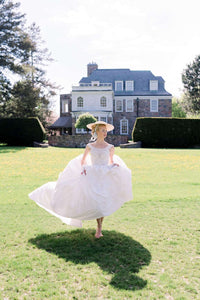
{"x": 116, "y": 83}
{"x": 104, "y": 119}
{"x": 99, "y": 118}
{"x": 81, "y": 131}
{"x": 128, "y": 82}
{"x": 121, "y": 121}
{"x": 153, "y": 105}
{"x": 80, "y": 98}
{"x": 103, "y": 98}
{"x": 116, "y": 110}
{"x": 153, "y": 85}
{"x": 132, "y": 107}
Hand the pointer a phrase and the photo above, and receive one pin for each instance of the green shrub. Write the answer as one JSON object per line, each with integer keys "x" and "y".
{"x": 167, "y": 132}
{"x": 21, "y": 131}
{"x": 84, "y": 120}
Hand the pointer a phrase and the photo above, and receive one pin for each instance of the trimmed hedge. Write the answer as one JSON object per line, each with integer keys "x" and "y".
{"x": 21, "y": 131}
{"x": 167, "y": 132}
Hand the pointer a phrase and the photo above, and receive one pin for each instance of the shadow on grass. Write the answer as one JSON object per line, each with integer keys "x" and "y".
{"x": 115, "y": 253}
{"x": 10, "y": 149}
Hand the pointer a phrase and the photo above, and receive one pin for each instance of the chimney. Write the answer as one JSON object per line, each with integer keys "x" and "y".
{"x": 91, "y": 67}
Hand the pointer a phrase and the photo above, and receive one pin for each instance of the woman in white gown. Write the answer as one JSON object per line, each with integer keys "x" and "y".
{"x": 93, "y": 185}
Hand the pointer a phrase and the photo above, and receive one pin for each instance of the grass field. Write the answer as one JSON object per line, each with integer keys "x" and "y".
{"x": 150, "y": 248}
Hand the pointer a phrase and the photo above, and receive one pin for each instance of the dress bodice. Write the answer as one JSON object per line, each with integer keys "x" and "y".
{"x": 100, "y": 156}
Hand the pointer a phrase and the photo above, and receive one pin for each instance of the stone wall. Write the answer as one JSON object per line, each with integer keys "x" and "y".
{"x": 81, "y": 140}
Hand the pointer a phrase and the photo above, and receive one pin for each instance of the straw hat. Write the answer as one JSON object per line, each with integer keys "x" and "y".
{"x": 109, "y": 127}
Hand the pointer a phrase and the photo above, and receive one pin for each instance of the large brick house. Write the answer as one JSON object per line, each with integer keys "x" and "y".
{"x": 117, "y": 96}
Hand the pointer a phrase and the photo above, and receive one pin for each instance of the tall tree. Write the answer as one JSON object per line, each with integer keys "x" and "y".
{"x": 191, "y": 81}
{"x": 22, "y": 52}
{"x": 36, "y": 59}
{"x": 14, "y": 40}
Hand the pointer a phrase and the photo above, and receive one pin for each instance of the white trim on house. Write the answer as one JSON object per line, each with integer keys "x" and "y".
{"x": 125, "y": 121}
{"x": 116, "y": 105}
{"x": 153, "y": 85}
{"x": 129, "y": 85}
{"x": 153, "y": 105}
{"x": 116, "y": 85}
{"x": 92, "y": 101}
{"x": 129, "y": 108}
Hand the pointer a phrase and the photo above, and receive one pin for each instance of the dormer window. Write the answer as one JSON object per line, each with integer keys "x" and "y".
{"x": 129, "y": 85}
{"x": 95, "y": 83}
{"x": 118, "y": 86}
{"x": 153, "y": 85}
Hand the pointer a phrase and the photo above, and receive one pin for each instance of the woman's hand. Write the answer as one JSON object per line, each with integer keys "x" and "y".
{"x": 115, "y": 164}
{"x": 84, "y": 172}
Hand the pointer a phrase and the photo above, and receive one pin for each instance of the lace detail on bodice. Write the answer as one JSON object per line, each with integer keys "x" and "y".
{"x": 100, "y": 156}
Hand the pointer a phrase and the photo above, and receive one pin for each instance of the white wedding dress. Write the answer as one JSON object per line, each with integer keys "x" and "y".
{"x": 98, "y": 193}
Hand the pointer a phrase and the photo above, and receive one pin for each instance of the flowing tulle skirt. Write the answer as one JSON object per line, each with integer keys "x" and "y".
{"x": 76, "y": 197}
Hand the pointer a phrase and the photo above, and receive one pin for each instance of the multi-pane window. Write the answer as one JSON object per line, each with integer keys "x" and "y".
{"x": 154, "y": 105}
{"x": 79, "y": 102}
{"x": 129, "y": 85}
{"x": 81, "y": 130}
{"x": 124, "y": 126}
{"x": 100, "y": 118}
{"x": 118, "y": 85}
{"x": 153, "y": 85}
{"x": 118, "y": 105}
{"x": 103, "y": 102}
{"x": 104, "y": 119}
{"x": 129, "y": 105}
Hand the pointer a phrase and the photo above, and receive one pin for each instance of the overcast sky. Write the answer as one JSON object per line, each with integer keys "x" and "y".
{"x": 161, "y": 36}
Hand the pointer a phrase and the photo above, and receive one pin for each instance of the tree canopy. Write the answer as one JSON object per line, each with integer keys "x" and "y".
{"x": 14, "y": 41}
{"x": 84, "y": 120}
{"x": 177, "y": 109}
{"x": 22, "y": 53}
{"x": 191, "y": 81}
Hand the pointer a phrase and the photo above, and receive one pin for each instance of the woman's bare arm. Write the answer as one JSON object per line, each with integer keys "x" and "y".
{"x": 87, "y": 149}
{"x": 112, "y": 151}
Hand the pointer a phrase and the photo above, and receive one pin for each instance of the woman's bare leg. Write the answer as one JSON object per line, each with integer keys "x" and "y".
{"x": 98, "y": 233}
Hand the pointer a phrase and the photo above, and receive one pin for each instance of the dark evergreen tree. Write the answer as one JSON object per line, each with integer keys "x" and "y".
{"x": 14, "y": 41}
{"x": 191, "y": 81}
{"x": 22, "y": 53}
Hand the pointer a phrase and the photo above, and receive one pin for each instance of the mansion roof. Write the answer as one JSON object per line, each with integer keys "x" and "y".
{"x": 141, "y": 81}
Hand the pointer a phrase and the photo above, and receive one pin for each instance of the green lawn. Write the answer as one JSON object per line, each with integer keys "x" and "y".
{"x": 150, "y": 248}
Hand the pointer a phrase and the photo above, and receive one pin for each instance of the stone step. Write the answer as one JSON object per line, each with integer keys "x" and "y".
{"x": 131, "y": 145}
{"x": 42, "y": 145}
